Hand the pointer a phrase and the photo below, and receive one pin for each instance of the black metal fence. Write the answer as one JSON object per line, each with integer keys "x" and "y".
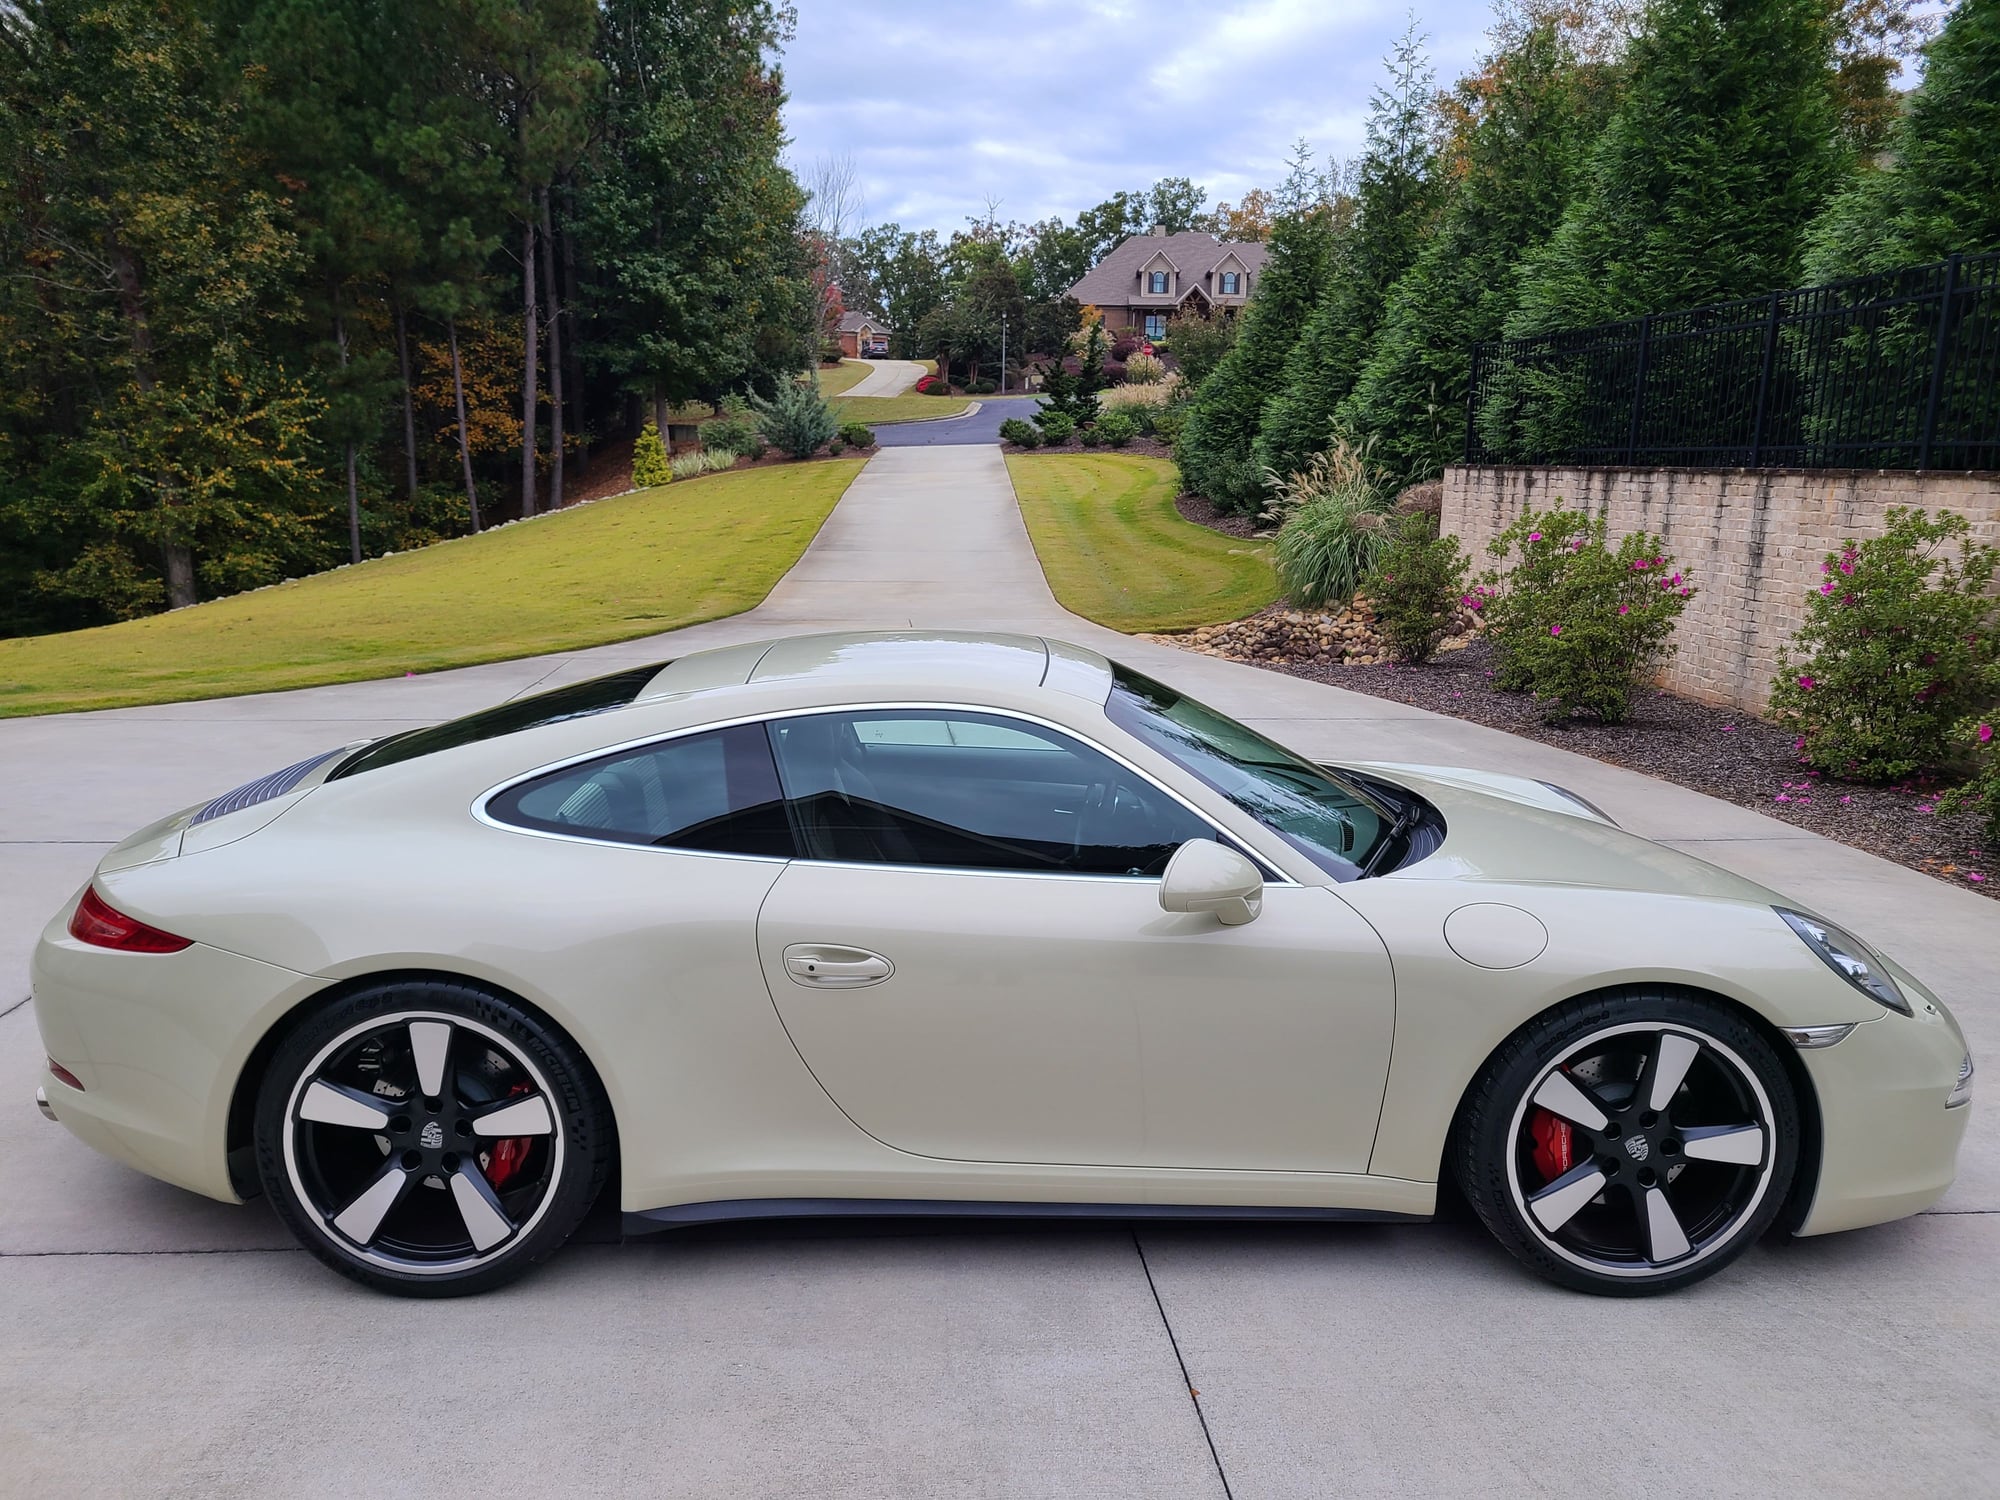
{"x": 1895, "y": 371}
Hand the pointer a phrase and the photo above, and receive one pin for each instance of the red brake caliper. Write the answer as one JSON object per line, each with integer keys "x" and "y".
{"x": 505, "y": 1156}
{"x": 1554, "y": 1154}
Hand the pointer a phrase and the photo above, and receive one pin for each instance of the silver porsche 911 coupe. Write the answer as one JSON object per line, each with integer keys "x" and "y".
{"x": 924, "y": 923}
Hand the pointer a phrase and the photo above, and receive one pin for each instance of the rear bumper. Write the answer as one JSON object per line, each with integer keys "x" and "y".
{"x": 158, "y": 1042}
{"x": 1889, "y": 1145}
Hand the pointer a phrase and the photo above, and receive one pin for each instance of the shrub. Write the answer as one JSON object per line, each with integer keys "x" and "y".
{"x": 1167, "y": 423}
{"x": 701, "y": 461}
{"x": 1897, "y": 648}
{"x": 1124, "y": 347}
{"x": 797, "y": 420}
{"x": 734, "y": 434}
{"x": 1020, "y": 434}
{"x": 1144, "y": 369}
{"x": 933, "y": 385}
{"x": 1091, "y": 437}
{"x": 1114, "y": 371}
{"x": 982, "y": 387}
{"x": 835, "y": 448}
{"x": 649, "y": 459}
{"x": 1417, "y": 589}
{"x": 1981, "y": 793}
{"x": 1057, "y": 427}
{"x": 857, "y": 434}
{"x": 1577, "y": 623}
{"x": 1117, "y": 428}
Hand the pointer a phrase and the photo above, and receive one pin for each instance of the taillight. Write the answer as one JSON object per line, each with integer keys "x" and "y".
{"x": 102, "y": 925}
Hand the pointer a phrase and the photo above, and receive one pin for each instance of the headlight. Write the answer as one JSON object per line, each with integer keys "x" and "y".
{"x": 1848, "y": 957}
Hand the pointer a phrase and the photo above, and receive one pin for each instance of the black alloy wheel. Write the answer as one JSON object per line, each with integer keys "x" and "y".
{"x": 430, "y": 1139}
{"x": 1630, "y": 1143}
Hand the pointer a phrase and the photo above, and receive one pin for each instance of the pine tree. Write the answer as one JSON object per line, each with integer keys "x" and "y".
{"x": 1725, "y": 142}
{"x": 1396, "y": 201}
{"x": 1941, "y": 195}
{"x": 1214, "y": 447}
{"x": 1531, "y": 115}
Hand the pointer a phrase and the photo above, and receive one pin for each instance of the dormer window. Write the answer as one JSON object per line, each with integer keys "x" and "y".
{"x": 1232, "y": 283}
{"x": 1156, "y": 283}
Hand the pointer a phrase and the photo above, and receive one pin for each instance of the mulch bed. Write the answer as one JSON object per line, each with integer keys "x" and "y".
{"x": 1721, "y": 752}
{"x": 1204, "y": 512}
{"x": 1735, "y": 756}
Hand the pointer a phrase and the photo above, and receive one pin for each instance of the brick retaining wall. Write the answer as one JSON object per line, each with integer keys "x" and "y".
{"x": 1753, "y": 540}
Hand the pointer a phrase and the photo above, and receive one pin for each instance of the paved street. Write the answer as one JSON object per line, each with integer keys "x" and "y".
{"x": 980, "y": 425}
{"x": 156, "y": 1344}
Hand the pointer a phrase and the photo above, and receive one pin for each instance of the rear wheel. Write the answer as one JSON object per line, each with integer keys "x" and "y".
{"x": 1630, "y": 1143}
{"x": 429, "y": 1139}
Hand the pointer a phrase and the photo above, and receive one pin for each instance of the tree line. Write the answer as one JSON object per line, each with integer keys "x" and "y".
{"x": 289, "y": 282}
{"x": 1600, "y": 163}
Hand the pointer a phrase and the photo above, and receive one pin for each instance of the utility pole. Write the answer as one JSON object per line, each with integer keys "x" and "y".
{"x": 1003, "y": 354}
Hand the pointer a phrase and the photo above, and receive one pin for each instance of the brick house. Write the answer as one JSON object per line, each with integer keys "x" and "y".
{"x": 863, "y": 335}
{"x": 1151, "y": 277}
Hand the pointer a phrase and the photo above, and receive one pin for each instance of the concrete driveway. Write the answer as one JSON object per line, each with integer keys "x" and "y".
{"x": 886, "y": 377}
{"x": 153, "y": 1343}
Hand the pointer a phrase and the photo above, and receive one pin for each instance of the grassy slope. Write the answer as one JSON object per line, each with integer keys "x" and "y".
{"x": 879, "y": 410}
{"x": 1116, "y": 551}
{"x": 657, "y": 560}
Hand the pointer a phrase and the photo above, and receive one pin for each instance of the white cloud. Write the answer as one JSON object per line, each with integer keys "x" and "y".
{"x": 1053, "y": 105}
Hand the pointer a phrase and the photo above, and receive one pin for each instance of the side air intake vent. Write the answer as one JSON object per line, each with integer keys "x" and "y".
{"x": 264, "y": 788}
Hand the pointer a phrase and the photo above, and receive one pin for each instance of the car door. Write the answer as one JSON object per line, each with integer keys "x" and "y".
{"x": 973, "y": 961}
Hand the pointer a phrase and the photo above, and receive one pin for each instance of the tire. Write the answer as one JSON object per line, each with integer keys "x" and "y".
{"x": 430, "y": 1139}
{"x": 1630, "y": 1143}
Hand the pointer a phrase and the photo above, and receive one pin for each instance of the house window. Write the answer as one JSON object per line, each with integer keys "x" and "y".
{"x": 1231, "y": 283}
{"x": 1156, "y": 283}
{"x": 1156, "y": 325}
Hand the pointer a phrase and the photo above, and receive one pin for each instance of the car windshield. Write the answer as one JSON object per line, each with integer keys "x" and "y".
{"x": 1333, "y": 822}
{"x": 573, "y": 701}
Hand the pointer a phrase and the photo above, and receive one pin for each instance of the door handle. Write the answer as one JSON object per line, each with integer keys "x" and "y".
{"x": 828, "y": 967}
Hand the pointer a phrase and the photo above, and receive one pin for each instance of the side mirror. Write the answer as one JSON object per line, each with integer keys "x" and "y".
{"x": 1206, "y": 876}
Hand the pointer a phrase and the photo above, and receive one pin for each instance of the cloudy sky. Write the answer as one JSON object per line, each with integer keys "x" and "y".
{"x": 1052, "y": 105}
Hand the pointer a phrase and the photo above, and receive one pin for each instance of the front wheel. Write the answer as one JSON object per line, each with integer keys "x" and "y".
{"x": 429, "y": 1139}
{"x": 1630, "y": 1143}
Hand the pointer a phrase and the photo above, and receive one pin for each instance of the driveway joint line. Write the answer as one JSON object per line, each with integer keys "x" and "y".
{"x": 1194, "y": 1396}
{"x": 142, "y": 1254}
{"x": 15, "y": 1006}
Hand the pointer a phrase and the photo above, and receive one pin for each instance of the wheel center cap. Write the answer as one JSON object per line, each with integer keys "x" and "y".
{"x": 432, "y": 1136}
{"x": 1636, "y": 1146}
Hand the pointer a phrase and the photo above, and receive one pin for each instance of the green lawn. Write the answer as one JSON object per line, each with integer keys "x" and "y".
{"x": 1116, "y": 551}
{"x": 656, "y": 560}
{"x": 843, "y": 377}
{"x": 881, "y": 410}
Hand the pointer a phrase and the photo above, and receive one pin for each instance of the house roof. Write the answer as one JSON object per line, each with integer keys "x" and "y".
{"x": 1114, "y": 280}
{"x": 857, "y": 322}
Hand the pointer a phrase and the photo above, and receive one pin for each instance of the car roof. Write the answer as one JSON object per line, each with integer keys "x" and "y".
{"x": 892, "y": 662}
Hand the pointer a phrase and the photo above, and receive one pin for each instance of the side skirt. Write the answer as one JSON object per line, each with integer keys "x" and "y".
{"x": 682, "y": 1215}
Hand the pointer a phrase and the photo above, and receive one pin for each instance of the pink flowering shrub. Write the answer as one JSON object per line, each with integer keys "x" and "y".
{"x": 1418, "y": 588}
{"x": 1981, "y": 791}
{"x": 1575, "y": 621}
{"x": 1897, "y": 649}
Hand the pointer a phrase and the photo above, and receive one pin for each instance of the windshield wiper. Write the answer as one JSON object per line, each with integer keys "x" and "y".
{"x": 1406, "y": 819}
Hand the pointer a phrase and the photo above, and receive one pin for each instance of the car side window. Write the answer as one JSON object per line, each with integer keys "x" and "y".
{"x": 964, "y": 790}
{"x": 715, "y": 791}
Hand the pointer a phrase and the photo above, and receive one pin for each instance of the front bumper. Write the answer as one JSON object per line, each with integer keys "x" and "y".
{"x": 1889, "y": 1146}
{"x": 158, "y": 1042}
